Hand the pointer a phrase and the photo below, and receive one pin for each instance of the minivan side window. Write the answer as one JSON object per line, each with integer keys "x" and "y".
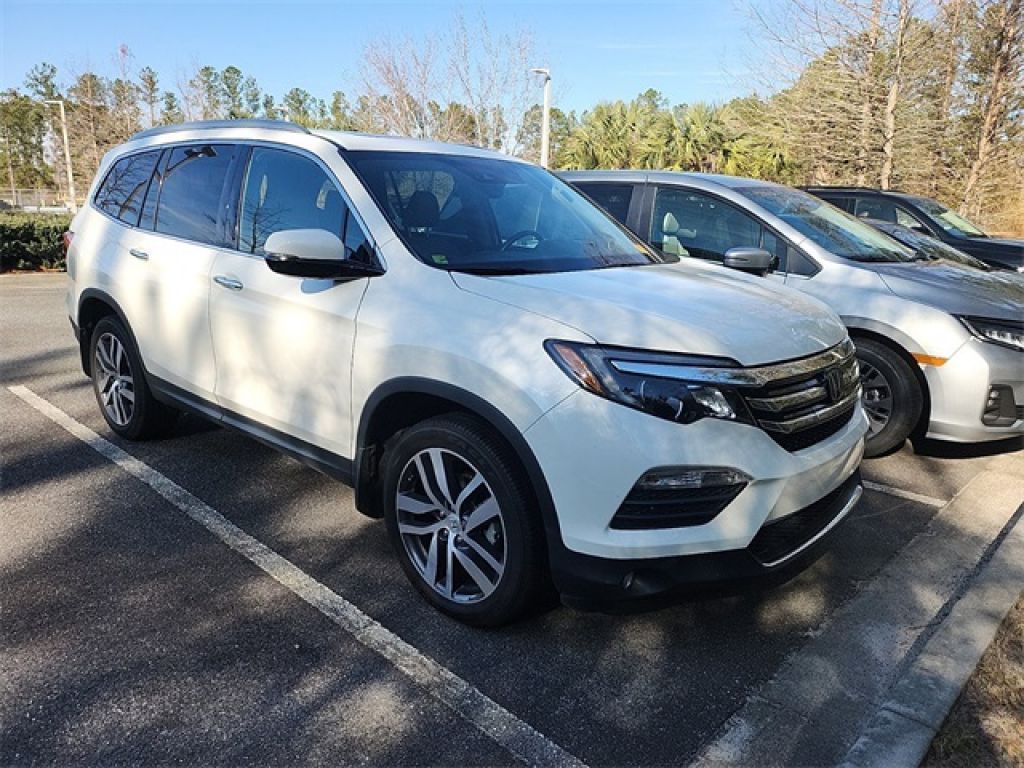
{"x": 614, "y": 198}
{"x": 195, "y": 201}
{"x": 123, "y": 190}
{"x": 906, "y": 219}
{"x": 284, "y": 190}
{"x": 700, "y": 225}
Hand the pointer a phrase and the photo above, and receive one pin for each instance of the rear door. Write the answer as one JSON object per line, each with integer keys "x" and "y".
{"x": 185, "y": 218}
{"x": 284, "y": 344}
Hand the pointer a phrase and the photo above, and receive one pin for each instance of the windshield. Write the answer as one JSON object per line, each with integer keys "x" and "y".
{"x": 928, "y": 247}
{"x": 951, "y": 221}
{"x": 492, "y": 216}
{"x": 835, "y": 231}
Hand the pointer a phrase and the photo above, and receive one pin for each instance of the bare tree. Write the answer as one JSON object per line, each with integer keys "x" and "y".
{"x": 493, "y": 75}
{"x": 471, "y": 85}
{"x": 896, "y": 87}
{"x": 998, "y": 56}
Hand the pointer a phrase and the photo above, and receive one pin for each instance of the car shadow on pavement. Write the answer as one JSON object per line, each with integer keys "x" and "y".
{"x": 139, "y": 637}
{"x": 938, "y": 449}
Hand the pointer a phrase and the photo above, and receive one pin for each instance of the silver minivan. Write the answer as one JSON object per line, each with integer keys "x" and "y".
{"x": 940, "y": 344}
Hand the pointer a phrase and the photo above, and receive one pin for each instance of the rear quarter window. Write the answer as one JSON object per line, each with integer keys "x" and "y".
{"x": 124, "y": 188}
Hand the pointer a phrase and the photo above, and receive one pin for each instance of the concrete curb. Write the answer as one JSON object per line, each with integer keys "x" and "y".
{"x": 857, "y": 675}
{"x": 903, "y": 727}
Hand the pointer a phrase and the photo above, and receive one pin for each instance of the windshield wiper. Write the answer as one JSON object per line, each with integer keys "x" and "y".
{"x": 495, "y": 269}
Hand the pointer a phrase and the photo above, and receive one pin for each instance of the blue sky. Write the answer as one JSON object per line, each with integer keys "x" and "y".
{"x": 690, "y": 49}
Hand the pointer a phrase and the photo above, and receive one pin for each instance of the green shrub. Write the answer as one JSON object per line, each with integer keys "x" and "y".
{"x": 32, "y": 240}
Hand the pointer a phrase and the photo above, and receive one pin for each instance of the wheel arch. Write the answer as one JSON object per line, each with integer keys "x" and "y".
{"x": 93, "y": 306}
{"x": 888, "y": 341}
{"x": 399, "y": 403}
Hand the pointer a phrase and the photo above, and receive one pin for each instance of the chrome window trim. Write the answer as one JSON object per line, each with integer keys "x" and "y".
{"x": 742, "y": 377}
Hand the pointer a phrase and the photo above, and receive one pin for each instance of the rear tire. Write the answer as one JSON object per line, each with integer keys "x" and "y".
{"x": 119, "y": 383}
{"x": 461, "y": 519}
{"x": 892, "y": 396}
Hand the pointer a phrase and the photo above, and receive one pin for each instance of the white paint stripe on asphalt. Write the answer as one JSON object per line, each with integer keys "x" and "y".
{"x": 899, "y": 493}
{"x": 519, "y": 738}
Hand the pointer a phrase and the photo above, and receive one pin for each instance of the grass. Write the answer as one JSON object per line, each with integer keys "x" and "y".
{"x": 986, "y": 725}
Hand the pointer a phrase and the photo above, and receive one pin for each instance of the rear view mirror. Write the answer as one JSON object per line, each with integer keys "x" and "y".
{"x": 306, "y": 244}
{"x": 755, "y": 261}
{"x": 313, "y": 253}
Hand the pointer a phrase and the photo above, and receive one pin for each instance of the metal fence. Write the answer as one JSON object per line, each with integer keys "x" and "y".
{"x": 33, "y": 199}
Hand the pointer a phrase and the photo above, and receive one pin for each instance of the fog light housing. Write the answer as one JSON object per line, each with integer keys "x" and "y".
{"x": 677, "y": 497}
{"x": 1000, "y": 407}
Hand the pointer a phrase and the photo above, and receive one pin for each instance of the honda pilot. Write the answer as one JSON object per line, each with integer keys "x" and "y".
{"x": 525, "y": 392}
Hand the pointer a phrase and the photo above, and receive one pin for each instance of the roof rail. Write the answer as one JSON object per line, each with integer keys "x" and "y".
{"x": 206, "y": 125}
{"x": 854, "y": 188}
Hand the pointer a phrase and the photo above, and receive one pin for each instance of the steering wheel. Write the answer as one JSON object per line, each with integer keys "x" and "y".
{"x": 519, "y": 236}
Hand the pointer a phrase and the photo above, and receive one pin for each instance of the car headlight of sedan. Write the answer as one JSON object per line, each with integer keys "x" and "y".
{"x": 673, "y": 387}
{"x": 1006, "y": 333}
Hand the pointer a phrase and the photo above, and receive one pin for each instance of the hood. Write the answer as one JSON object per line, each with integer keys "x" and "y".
{"x": 1005, "y": 242}
{"x": 957, "y": 288}
{"x": 1005, "y": 251}
{"x": 689, "y": 308}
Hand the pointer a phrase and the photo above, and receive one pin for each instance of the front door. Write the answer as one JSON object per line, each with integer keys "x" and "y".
{"x": 283, "y": 345}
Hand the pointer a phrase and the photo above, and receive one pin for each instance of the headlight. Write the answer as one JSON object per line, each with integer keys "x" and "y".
{"x": 1003, "y": 332}
{"x": 650, "y": 381}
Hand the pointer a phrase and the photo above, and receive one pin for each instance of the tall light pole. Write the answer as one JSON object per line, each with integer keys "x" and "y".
{"x": 545, "y": 122}
{"x": 73, "y": 204}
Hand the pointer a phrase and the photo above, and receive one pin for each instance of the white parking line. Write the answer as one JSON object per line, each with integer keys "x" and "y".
{"x": 522, "y": 740}
{"x": 899, "y": 493}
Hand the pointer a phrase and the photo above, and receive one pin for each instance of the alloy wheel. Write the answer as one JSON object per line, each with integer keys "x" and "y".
{"x": 876, "y": 398}
{"x": 114, "y": 380}
{"x": 451, "y": 525}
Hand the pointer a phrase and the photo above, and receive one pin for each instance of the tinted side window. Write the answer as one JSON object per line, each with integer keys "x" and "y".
{"x": 614, "y": 198}
{"x": 778, "y": 248}
{"x": 799, "y": 264}
{"x": 843, "y": 203}
{"x": 906, "y": 219}
{"x": 875, "y": 208}
{"x": 194, "y": 198}
{"x": 284, "y": 190}
{"x": 122, "y": 191}
{"x": 700, "y": 225}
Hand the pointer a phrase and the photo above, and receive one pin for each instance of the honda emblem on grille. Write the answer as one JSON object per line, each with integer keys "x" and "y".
{"x": 833, "y": 384}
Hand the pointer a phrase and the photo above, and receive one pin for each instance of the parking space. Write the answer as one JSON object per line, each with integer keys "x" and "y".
{"x": 131, "y": 632}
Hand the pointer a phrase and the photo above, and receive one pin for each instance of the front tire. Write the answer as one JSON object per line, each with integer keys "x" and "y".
{"x": 119, "y": 383}
{"x": 460, "y": 518}
{"x": 892, "y": 396}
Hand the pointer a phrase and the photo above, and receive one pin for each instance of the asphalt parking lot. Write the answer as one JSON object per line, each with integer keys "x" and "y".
{"x": 131, "y": 631}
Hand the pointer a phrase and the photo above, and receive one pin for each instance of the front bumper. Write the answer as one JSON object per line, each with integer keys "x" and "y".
{"x": 959, "y": 390}
{"x": 780, "y": 550}
{"x": 593, "y": 451}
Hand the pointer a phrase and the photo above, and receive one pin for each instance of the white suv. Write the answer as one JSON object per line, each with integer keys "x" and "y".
{"x": 514, "y": 382}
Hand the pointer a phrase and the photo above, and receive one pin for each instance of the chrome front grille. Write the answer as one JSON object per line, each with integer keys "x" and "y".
{"x": 808, "y": 400}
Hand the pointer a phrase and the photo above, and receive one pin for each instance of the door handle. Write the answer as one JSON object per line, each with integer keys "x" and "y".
{"x": 142, "y": 255}
{"x": 228, "y": 282}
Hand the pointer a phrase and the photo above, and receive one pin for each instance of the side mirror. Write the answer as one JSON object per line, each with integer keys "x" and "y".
{"x": 313, "y": 253}
{"x": 756, "y": 261}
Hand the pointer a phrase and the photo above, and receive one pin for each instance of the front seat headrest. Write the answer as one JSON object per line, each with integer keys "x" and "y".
{"x": 669, "y": 225}
{"x": 422, "y": 210}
